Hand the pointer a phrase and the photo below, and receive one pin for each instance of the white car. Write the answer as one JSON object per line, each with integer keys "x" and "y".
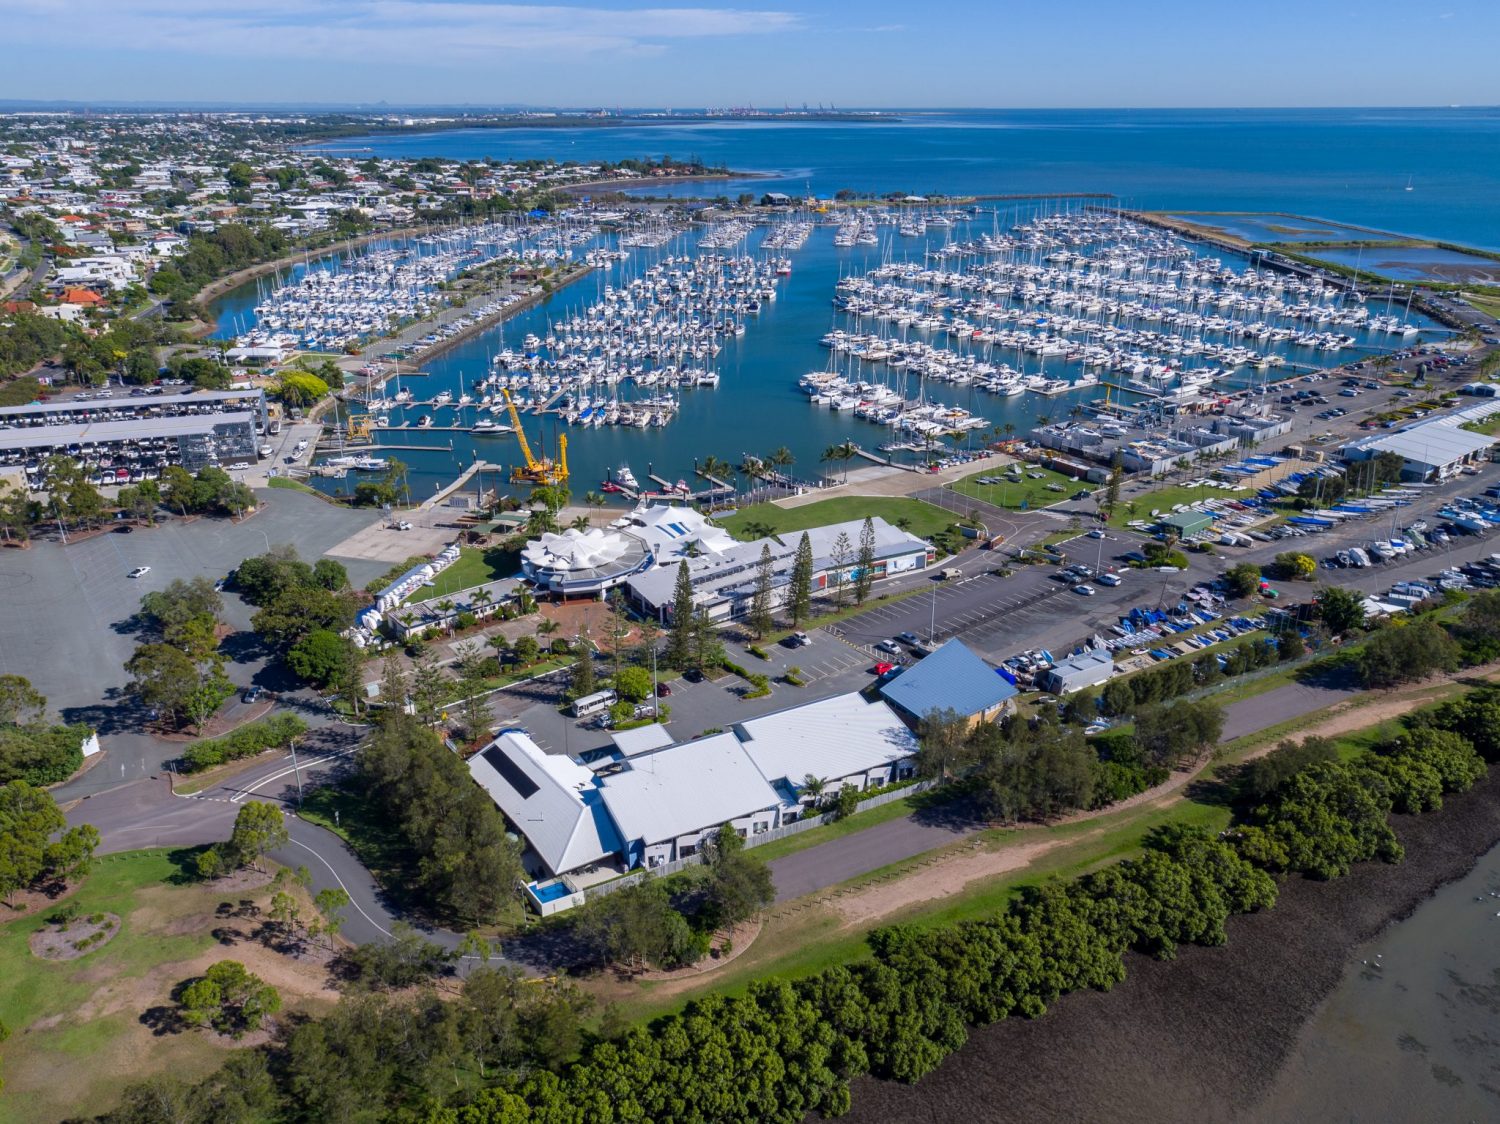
{"x": 139, "y": 572}
{"x": 1096, "y": 533}
{"x": 1108, "y": 579}
{"x": 1085, "y": 589}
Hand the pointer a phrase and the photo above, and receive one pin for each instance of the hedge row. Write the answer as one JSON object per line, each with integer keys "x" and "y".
{"x": 252, "y": 738}
{"x": 785, "y": 1050}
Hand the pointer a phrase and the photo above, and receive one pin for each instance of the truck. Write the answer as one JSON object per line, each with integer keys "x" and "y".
{"x": 949, "y": 573}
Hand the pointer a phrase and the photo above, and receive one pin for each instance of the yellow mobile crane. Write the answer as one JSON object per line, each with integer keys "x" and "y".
{"x": 536, "y": 471}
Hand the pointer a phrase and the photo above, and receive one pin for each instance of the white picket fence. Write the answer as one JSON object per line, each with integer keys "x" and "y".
{"x": 795, "y": 828}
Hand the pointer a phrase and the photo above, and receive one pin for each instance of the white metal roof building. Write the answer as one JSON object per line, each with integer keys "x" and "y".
{"x": 666, "y": 801}
{"x": 583, "y": 563}
{"x": 839, "y": 739}
{"x": 1431, "y": 448}
{"x": 1088, "y": 669}
{"x": 551, "y": 799}
{"x": 724, "y": 577}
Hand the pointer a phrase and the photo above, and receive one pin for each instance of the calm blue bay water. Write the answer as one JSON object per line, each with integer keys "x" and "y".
{"x": 1342, "y": 165}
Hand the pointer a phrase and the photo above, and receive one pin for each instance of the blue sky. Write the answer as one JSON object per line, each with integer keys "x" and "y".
{"x": 1000, "y": 53}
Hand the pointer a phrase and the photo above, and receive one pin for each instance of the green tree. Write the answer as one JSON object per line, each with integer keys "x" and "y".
{"x": 330, "y": 574}
{"x": 331, "y": 903}
{"x": 637, "y": 927}
{"x": 1243, "y": 580}
{"x": 229, "y": 998}
{"x": 739, "y": 883}
{"x": 760, "y": 619}
{"x": 841, "y": 556}
{"x": 29, "y": 818}
{"x": 321, "y": 658}
{"x": 259, "y": 827}
{"x": 582, "y": 682}
{"x": 799, "y": 596}
{"x": 864, "y": 574}
{"x": 1296, "y": 566}
{"x": 1342, "y": 610}
{"x": 1404, "y": 653}
{"x": 633, "y": 683}
{"x": 679, "y": 653}
{"x": 20, "y": 702}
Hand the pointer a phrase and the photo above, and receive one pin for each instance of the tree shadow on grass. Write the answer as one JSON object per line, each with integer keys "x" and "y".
{"x": 184, "y": 862}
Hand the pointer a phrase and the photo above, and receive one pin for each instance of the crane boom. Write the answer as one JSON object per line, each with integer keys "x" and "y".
{"x": 515, "y": 420}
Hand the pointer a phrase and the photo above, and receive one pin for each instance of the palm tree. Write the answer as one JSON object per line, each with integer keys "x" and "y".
{"x": 847, "y": 452}
{"x": 781, "y": 458}
{"x": 713, "y": 466}
{"x": 814, "y": 786}
{"x": 547, "y": 626}
{"x": 752, "y": 466}
{"x": 830, "y": 455}
{"x": 446, "y": 607}
{"x": 580, "y": 523}
{"x": 481, "y": 598}
{"x": 593, "y": 500}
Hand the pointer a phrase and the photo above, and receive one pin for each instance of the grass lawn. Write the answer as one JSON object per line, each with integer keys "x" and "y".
{"x": 1163, "y": 500}
{"x": 293, "y": 485}
{"x": 786, "y": 845}
{"x": 922, "y": 519}
{"x": 1050, "y": 488}
{"x": 77, "y": 1031}
{"x": 1489, "y": 303}
{"x": 474, "y": 567}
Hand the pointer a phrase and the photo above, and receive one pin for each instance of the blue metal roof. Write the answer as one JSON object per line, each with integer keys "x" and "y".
{"x": 952, "y": 678}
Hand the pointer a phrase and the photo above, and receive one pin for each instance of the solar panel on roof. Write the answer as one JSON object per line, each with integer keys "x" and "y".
{"x": 513, "y": 774}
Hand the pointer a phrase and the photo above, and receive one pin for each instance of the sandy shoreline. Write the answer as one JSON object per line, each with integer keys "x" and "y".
{"x": 1201, "y": 1038}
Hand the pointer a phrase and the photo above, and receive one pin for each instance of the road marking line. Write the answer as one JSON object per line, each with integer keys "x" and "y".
{"x": 340, "y": 881}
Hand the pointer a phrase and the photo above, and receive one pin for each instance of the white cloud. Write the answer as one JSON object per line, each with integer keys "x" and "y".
{"x": 420, "y": 32}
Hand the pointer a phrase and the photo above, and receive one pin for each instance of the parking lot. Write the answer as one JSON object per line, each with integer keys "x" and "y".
{"x": 68, "y": 612}
{"x": 827, "y": 665}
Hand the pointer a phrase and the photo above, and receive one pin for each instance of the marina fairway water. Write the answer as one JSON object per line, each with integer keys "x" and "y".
{"x": 757, "y": 406}
{"x": 1412, "y": 1034}
{"x": 1348, "y": 165}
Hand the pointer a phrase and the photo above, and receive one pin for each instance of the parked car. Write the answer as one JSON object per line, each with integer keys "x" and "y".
{"x": 140, "y": 572}
{"x": 663, "y": 690}
{"x": 252, "y": 694}
{"x": 1085, "y": 589}
{"x": 890, "y": 646}
{"x": 908, "y": 638}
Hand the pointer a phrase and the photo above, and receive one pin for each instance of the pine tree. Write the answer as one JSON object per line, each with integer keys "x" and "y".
{"x": 864, "y": 575}
{"x": 680, "y": 636}
{"x": 799, "y": 599}
{"x": 582, "y": 681}
{"x": 395, "y": 687}
{"x": 708, "y": 649}
{"x": 760, "y": 619}
{"x": 843, "y": 554}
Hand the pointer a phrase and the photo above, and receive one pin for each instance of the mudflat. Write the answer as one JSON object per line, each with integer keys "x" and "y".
{"x": 1203, "y": 1037}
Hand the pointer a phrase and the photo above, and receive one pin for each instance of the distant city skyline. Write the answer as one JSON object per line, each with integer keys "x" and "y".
{"x": 607, "y": 53}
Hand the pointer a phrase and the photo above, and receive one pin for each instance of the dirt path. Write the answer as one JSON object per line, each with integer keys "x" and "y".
{"x": 950, "y": 872}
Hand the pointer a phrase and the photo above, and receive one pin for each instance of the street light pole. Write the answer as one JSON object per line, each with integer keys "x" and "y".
{"x": 298, "y": 773}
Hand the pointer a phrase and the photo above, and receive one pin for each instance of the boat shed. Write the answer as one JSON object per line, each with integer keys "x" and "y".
{"x": 951, "y": 679}
{"x": 1433, "y": 449}
{"x": 1087, "y": 669}
{"x": 1186, "y": 524}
